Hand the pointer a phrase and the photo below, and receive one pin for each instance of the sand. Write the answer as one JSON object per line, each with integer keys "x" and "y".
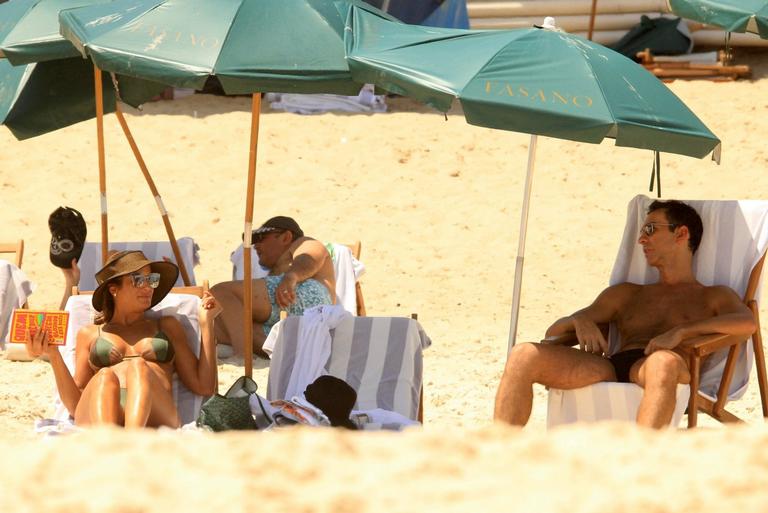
{"x": 436, "y": 205}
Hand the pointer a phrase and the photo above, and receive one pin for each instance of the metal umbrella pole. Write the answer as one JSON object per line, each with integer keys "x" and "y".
{"x": 521, "y": 244}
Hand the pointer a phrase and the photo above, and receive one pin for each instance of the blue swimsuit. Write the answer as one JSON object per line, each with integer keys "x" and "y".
{"x": 309, "y": 293}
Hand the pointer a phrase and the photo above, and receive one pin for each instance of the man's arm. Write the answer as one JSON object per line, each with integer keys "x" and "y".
{"x": 584, "y": 322}
{"x": 308, "y": 259}
{"x": 732, "y": 317}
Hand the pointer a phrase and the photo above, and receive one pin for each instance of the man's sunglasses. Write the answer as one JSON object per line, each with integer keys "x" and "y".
{"x": 650, "y": 228}
{"x": 140, "y": 280}
{"x": 258, "y": 237}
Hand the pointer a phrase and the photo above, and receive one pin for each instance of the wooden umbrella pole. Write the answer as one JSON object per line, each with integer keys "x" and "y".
{"x": 592, "y": 13}
{"x": 99, "y": 94}
{"x": 247, "y": 229}
{"x": 155, "y": 194}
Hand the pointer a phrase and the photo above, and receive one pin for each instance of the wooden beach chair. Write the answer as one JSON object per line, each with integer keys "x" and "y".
{"x": 91, "y": 261}
{"x": 347, "y": 270}
{"x": 731, "y": 253}
{"x": 380, "y": 357}
{"x": 14, "y": 251}
{"x": 181, "y": 302}
{"x": 15, "y": 288}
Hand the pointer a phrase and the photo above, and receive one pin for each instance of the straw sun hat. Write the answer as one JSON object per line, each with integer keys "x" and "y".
{"x": 127, "y": 262}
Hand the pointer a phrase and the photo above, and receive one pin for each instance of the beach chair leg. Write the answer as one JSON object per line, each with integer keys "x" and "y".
{"x": 693, "y": 406}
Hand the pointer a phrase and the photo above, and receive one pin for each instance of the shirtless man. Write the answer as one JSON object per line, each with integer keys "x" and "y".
{"x": 653, "y": 322}
{"x": 300, "y": 276}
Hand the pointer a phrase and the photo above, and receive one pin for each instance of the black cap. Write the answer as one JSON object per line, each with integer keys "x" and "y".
{"x": 280, "y": 223}
{"x": 335, "y": 398}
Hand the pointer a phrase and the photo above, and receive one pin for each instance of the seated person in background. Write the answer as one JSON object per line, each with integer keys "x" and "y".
{"x": 653, "y": 323}
{"x": 124, "y": 362}
{"x": 300, "y": 277}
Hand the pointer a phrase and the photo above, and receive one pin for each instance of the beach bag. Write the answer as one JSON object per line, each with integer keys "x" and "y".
{"x": 68, "y": 232}
{"x": 232, "y": 410}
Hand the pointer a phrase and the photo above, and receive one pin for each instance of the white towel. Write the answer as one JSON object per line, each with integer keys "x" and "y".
{"x": 236, "y": 257}
{"x": 15, "y": 288}
{"x": 348, "y": 270}
{"x": 314, "y": 346}
{"x": 735, "y": 237}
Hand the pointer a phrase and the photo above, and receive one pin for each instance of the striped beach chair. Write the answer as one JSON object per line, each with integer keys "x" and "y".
{"x": 731, "y": 253}
{"x": 380, "y": 357}
{"x": 90, "y": 261}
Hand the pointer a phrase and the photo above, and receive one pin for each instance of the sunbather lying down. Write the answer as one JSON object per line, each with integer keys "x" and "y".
{"x": 125, "y": 361}
{"x": 301, "y": 276}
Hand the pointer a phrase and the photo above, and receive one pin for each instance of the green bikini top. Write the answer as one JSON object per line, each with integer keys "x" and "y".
{"x": 157, "y": 349}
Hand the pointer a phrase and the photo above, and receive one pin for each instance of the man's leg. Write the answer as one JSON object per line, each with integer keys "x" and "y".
{"x": 659, "y": 374}
{"x": 554, "y": 366}
{"x": 229, "y": 324}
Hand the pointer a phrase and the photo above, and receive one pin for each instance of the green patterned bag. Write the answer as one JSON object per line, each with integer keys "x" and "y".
{"x": 230, "y": 411}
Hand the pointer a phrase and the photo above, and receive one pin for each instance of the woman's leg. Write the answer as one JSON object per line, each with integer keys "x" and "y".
{"x": 148, "y": 401}
{"x": 100, "y": 401}
{"x": 229, "y": 325}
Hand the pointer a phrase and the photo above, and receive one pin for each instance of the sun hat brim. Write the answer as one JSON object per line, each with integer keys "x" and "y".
{"x": 127, "y": 262}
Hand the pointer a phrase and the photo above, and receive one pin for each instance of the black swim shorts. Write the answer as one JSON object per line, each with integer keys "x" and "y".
{"x": 623, "y": 361}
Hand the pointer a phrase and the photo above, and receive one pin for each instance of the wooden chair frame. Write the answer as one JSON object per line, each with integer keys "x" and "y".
{"x": 15, "y": 248}
{"x": 698, "y": 348}
{"x": 355, "y": 249}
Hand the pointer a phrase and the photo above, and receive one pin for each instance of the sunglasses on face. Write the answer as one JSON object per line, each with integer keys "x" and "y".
{"x": 650, "y": 228}
{"x": 259, "y": 237}
{"x": 141, "y": 280}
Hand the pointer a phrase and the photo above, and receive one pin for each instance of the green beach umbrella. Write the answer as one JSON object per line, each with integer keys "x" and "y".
{"x": 39, "y": 98}
{"x": 29, "y": 30}
{"x": 730, "y": 15}
{"x": 54, "y": 88}
{"x": 249, "y": 46}
{"x": 535, "y": 81}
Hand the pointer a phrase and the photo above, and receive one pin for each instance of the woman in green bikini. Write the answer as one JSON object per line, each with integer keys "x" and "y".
{"x": 125, "y": 361}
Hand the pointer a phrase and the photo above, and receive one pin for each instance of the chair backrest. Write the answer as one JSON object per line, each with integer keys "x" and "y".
{"x": 346, "y": 265}
{"x": 733, "y": 244}
{"x": 181, "y": 303}
{"x": 380, "y": 357}
{"x": 15, "y": 250}
{"x": 90, "y": 261}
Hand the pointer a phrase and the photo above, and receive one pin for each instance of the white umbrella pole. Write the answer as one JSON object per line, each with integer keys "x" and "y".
{"x": 521, "y": 244}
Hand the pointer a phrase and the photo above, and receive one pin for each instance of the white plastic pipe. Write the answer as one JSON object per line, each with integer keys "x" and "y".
{"x": 519, "y": 261}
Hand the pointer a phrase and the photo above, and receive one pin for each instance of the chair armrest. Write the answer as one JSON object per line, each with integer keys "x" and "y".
{"x": 704, "y": 345}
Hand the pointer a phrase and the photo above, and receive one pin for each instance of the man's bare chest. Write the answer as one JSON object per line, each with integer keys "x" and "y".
{"x": 655, "y": 309}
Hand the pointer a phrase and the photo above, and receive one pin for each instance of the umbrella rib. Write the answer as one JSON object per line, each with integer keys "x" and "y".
{"x": 226, "y": 37}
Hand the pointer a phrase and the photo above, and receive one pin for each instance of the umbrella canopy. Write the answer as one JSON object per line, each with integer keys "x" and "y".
{"x": 29, "y": 30}
{"x": 39, "y": 98}
{"x": 730, "y": 15}
{"x": 535, "y": 81}
{"x": 249, "y": 45}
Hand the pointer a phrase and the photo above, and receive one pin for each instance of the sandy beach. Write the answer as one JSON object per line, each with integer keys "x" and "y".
{"x": 436, "y": 205}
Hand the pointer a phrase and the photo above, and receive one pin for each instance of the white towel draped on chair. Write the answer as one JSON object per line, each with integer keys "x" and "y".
{"x": 90, "y": 261}
{"x": 183, "y": 307}
{"x": 735, "y": 237}
{"x": 15, "y": 288}
{"x": 380, "y": 357}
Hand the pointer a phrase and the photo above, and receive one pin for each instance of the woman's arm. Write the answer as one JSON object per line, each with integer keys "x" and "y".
{"x": 71, "y": 279}
{"x": 67, "y": 386}
{"x": 198, "y": 374}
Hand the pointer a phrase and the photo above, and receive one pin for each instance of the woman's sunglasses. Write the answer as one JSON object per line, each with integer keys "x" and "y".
{"x": 650, "y": 228}
{"x": 140, "y": 280}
